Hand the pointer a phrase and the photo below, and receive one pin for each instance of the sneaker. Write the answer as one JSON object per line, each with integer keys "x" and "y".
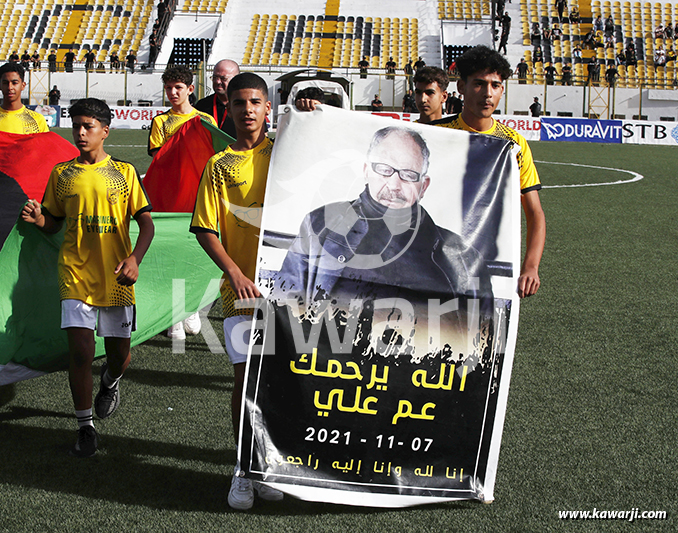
{"x": 241, "y": 494}
{"x": 192, "y": 324}
{"x": 177, "y": 331}
{"x": 87, "y": 443}
{"x": 267, "y": 493}
{"x": 106, "y": 400}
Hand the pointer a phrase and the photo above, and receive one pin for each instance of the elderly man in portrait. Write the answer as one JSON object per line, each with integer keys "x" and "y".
{"x": 383, "y": 244}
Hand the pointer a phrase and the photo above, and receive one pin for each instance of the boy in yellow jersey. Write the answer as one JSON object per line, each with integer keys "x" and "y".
{"x": 96, "y": 196}
{"x": 229, "y": 203}
{"x": 178, "y": 83}
{"x": 14, "y": 116}
{"x": 482, "y": 73}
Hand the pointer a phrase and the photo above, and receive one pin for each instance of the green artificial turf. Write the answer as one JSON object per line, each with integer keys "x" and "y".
{"x": 591, "y": 419}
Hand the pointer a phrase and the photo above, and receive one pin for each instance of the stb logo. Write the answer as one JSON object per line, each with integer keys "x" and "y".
{"x": 112, "y": 195}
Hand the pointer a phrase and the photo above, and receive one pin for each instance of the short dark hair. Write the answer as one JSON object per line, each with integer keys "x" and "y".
{"x": 247, "y": 80}
{"x": 312, "y": 93}
{"x": 93, "y": 108}
{"x": 432, "y": 75}
{"x": 12, "y": 67}
{"x": 381, "y": 134}
{"x": 481, "y": 58}
{"x": 180, "y": 73}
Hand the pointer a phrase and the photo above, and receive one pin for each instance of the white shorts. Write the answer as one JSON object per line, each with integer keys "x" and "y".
{"x": 107, "y": 321}
{"x": 237, "y": 331}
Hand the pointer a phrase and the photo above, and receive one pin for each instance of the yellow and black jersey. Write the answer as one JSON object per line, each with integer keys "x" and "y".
{"x": 167, "y": 124}
{"x": 229, "y": 203}
{"x": 22, "y": 121}
{"x": 96, "y": 202}
{"x": 529, "y": 178}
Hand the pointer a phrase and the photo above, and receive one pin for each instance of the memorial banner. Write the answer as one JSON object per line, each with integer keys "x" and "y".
{"x": 383, "y": 351}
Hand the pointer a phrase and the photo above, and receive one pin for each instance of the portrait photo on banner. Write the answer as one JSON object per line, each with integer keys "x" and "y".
{"x": 389, "y": 259}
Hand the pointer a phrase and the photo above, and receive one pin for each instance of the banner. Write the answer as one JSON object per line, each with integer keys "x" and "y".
{"x": 581, "y": 130}
{"x": 644, "y": 132}
{"x": 390, "y": 260}
{"x": 123, "y": 117}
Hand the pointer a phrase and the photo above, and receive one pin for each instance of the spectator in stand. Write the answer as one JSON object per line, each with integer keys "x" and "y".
{"x": 659, "y": 31}
{"x": 593, "y": 69}
{"x": 598, "y": 24}
{"x": 90, "y": 58}
{"x": 621, "y": 58}
{"x": 609, "y": 42}
{"x": 390, "y": 69}
{"x": 52, "y": 61}
{"x": 535, "y": 108}
{"x": 590, "y": 40}
{"x": 561, "y": 6}
{"x": 576, "y": 52}
{"x": 538, "y": 55}
{"x": 115, "y": 62}
{"x": 162, "y": 9}
{"x": 668, "y": 31}
{"x": 362, "y": 65}
{"x": 13, "y": 57}
{"x": 69, "y": 59}
{"x": 535, "y": 36}
{"x": 611, "y": 74}
{"x": 659, "y": 57}
{"x": 574, "y": 15}
{"x": 54, "y": 96}
{"x": 566, "y": 78}
{"x": 550, "y": 73}
{"x": 420, "y": 63}
{"x": 131, "y": 60}
{"x": 505, "y": 30}
{"x": 522, "y": 70}
{"x": 557, "y": 33}
{"x": 609, "y": 26}
{"x": 547, "y": 34}
{"x": 376, "y": 104}
{"x": 26, "y": 61}
{"x": 409, "y": 72}
{"x": 153, "y": 49}
{"x": 631, "y": 60}
{"x": 35, "y": 58}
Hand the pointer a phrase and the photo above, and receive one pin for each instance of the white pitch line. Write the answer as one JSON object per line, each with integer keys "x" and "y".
{"x": 636, "y": 176}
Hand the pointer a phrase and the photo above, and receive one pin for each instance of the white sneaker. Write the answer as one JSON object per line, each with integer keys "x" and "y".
{"x": 241, "y": 494}
{"x": 267, "y": 493}
{"x": 177, "y": 331}
{"x": 192, "y": 324}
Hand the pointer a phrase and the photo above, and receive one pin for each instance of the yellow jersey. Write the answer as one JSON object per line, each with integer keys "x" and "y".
{"x": 96, "y": 202}
{"x": 529, "y": 178}
{"x": 22, "y": 121}
{"x": 229, "y": 202}
{"x": 167, "y": 124}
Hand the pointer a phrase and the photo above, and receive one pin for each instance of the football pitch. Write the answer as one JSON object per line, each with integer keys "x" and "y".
{"x": 592, "y": 418}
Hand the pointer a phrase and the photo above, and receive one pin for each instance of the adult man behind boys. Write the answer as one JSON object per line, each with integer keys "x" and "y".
{"x": 217, "y": 104}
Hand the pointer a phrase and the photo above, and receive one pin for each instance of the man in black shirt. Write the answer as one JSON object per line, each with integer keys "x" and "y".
{"x": 52, "y": 60}
{"x": 69, "y": 58}
{"x": 376, "y": 104}
{"x": 390, "y": 69}
{"x": 131, "y": 60}
{"x": 362, "y": 65}
{"x": 54, "y": 96}
{"x": 215, "y": 104}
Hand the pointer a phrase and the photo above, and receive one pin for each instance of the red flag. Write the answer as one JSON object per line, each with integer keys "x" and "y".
{"x": 25, "y": 164}
{"x": 174, "y": 175}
